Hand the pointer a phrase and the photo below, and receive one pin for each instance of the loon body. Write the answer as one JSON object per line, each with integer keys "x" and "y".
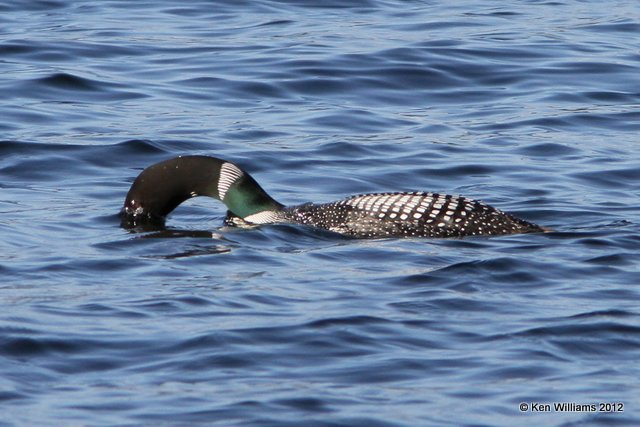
{"x": 160, "y": 188}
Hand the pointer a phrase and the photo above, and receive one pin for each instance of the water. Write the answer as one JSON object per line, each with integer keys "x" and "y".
{"x": 530, "y": 106}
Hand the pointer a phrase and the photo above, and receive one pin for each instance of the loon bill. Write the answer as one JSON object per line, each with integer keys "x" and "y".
{"x": 160, "y": 188}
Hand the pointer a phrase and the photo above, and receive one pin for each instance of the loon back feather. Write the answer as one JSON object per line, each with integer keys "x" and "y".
{"x": 160, "y": 188}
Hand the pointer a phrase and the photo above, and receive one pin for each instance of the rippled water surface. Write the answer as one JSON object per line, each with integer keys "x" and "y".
{"x": 533, "y": 107}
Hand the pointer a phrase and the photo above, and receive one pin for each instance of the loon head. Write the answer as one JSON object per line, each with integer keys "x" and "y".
{"x": 162, "y": 187}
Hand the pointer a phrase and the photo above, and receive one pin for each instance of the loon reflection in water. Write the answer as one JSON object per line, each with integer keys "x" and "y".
{"x": 160, "y": 188}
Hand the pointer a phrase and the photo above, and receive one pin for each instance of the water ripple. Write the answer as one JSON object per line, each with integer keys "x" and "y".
{"x": 529, "y": 107}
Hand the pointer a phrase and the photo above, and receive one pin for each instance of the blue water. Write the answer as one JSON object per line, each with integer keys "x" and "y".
{"x": 531, "y": 106}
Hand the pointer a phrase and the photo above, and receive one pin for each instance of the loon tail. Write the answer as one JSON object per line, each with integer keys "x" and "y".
{"x": 161, "y": 187}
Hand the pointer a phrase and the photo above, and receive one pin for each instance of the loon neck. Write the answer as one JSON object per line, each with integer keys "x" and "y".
{"x": 160, "y": 188}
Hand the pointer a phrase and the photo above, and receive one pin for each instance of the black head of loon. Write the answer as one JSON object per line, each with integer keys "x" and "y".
{"x": 160, "y": 188}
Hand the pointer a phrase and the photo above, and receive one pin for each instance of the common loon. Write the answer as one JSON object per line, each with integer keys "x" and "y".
{"x": 160, "y": 188}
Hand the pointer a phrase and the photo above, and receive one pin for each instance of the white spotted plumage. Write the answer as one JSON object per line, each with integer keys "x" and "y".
{"x": 408, "y": 214}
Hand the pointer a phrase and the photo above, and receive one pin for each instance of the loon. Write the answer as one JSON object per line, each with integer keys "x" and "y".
{"x": 161, "y": 187}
